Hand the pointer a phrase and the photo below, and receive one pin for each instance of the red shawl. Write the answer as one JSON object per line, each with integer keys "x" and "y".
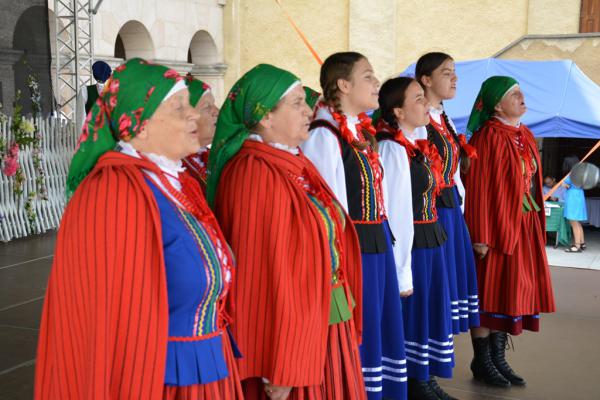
{"x": 104, "y": 326}
{"x": 283, "y": 280}
{"x": 495, "y": 186}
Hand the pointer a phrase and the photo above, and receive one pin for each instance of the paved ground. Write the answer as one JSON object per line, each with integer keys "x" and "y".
{"x": 562, "y": 362}
{"x": 589, "y": 259}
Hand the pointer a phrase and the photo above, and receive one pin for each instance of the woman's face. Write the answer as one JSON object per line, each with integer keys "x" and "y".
{"x": 288, "y": 124}
{"x": 208, "y": 118}
{"x": 512, "y": 106}
{"x": 362, "y": 89}
{"x": 172, "y": 131}
{"x": 442, "y": 82}
{"x": 415, "y": 111}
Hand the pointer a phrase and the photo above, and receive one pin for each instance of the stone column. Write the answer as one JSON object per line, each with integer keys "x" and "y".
{"x": 8, "y": 58}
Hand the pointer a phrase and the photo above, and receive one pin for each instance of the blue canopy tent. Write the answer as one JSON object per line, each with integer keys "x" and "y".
{"x": 561, "y": 100}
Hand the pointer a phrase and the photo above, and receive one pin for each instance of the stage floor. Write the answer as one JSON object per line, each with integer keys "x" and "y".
{"x": 561, "y": 362}
{"x": 588, "y": 259}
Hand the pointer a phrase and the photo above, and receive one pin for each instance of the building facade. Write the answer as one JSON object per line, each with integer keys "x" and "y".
{"x": 219, "y": 40}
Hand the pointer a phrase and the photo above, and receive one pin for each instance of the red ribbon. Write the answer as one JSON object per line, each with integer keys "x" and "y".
{"x": 399, "y": 137}
{"x": 430, "y": 151}
{"x": 364, "y": 124}
{"x": 424, "y": 146}
{"x": 470, "y": 151}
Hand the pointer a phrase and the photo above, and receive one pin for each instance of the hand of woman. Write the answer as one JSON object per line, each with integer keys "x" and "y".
{"x": 480, "y": 249}
{"x": 277, "y": 392}
{"x": 406, "y": 293}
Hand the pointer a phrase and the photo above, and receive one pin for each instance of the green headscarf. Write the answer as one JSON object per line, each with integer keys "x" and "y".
{"x": 492, "y": 91}
{"x": 130, "y": 98}
{"x": 375, "y": 117}
{"x": 197, "y": 89}
{"x": 250, "y": 99}
{"x": 312, "y": 96}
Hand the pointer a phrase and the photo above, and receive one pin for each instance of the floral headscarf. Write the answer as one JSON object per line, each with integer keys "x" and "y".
{"x": 129, "y": 100}
{"x": 491, "y": 93}
{"x": 197, "y": 89}
{"x": 250, "y": 99}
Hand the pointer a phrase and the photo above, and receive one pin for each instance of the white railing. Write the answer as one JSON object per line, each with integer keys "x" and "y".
{"x": 58, "y": 141}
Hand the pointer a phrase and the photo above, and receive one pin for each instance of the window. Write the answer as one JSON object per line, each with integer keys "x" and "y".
{"x": 590, "y": 16}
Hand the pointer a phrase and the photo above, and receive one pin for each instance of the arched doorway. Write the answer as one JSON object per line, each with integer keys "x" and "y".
{"x": 203, "y": 50}
{"x": 207, "y": 65}
{"x": 31, "y": 37}
{"x": 134, "y": 40}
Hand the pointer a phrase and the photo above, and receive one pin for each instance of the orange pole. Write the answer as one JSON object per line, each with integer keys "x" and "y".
{"x": 300, "y": 33}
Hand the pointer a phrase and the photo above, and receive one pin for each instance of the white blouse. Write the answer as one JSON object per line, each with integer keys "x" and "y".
{"x": 398, "y": 200}
{"x": 169, "y": 167}
{"x": 323, "y": 149}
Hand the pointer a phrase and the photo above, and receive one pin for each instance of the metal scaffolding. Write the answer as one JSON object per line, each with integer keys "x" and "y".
{"x": 74, "y": 51}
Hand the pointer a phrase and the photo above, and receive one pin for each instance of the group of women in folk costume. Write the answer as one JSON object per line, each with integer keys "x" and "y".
{"x": 312, "y": 253}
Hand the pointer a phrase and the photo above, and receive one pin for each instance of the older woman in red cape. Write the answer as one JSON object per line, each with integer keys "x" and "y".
{"x": 297, "y": 316}
{"x": 136, "y": 301}
{"x": 504, "y": 213}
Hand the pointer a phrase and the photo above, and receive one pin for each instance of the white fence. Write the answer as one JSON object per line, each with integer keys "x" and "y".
{"x": 58, "y": 141}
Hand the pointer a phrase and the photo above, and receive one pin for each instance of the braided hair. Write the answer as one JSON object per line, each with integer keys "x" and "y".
{"x": 340, "y": 66}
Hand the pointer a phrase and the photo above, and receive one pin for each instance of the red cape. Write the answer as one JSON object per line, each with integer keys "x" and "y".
{"x": 104, "y": 326}
{"x": 494, "y": 186}
{"x": 283, "y": 283}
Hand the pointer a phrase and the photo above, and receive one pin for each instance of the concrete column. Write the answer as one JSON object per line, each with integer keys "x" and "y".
{"x": 8, "y": 58}
{"x": 372, "y": 32}
{"x": 232, "y": 46}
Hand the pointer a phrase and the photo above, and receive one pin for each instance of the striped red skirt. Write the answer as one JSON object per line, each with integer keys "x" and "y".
{"x": 515, "y": 289}
{"x": 225, "y": 389}
{"x": 342, "y": 376}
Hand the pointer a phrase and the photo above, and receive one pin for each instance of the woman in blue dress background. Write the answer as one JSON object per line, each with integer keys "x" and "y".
{"x": 575, "y": 211}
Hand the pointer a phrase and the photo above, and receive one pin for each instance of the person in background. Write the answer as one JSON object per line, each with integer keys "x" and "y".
{"x": 559, "y": 193}
{"x": 202, "y": 99}
{"x": 575, "y": 211}
{"x": 89, "y": 94}
{"x": 312, "y": 97}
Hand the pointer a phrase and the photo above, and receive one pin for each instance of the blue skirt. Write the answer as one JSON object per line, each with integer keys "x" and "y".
{"x": 575, "y": 207}
{"x": 382, "y": 351}
{"x": 428, "y": 317}
{"x": 460, "y": 264}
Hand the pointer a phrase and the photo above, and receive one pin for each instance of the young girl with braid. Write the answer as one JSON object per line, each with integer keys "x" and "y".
{"x": 343, "y": 148}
